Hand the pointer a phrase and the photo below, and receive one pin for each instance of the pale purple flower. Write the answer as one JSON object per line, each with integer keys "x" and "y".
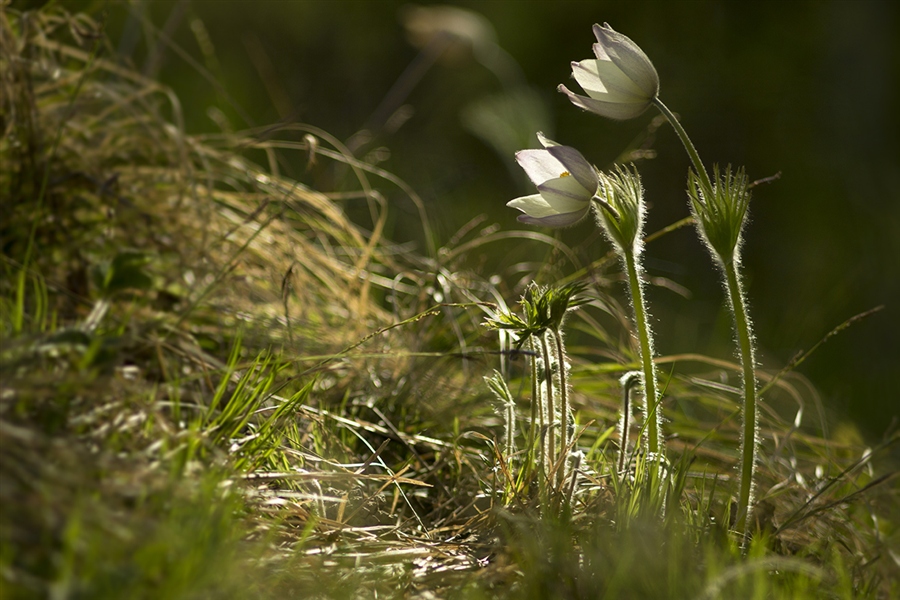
{"x": 566, "y": 183}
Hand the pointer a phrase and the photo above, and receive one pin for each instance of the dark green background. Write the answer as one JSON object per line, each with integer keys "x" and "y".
{"x": 809, "y": 89}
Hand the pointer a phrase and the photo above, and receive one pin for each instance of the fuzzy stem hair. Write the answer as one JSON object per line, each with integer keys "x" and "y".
{"x": 537, "y": 409}
{"x": 628, "y": 381}
{"x": 564, "y": 408}
{"x": 645, "y": 340}
{"x": 750, "y": 429}
{"x": 549, "y": 408}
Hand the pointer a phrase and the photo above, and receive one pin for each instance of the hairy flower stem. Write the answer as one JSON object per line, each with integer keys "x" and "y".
{"x": 564, "y": 408}
{"x": 537, "y": 410}
{"x": 654, "y": 445}
{"x": 625, "y": 426}
{"x": 628, "y": 382}
{"x": 688, "y": 145}
{"x": 748, "y": 360}
{"x": 509, "y": 442}
{"x": 550, "y": 432}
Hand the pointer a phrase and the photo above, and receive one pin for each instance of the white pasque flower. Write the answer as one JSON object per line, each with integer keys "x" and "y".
{"x": 566, "y": 183}
{"x": 621, "y": 82}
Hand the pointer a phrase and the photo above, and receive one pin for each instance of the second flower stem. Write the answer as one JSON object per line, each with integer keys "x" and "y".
{"x": 649, "y": 369}
{"x": 563, "y": 408}
{"x": 550, "y": 452}
{"x": 536, "y": 409}
{"x": 748, "y": 359}
{"x": 688, "y": 144}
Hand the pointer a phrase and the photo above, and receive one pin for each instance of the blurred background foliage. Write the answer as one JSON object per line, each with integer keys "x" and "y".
{"x": 807, "y": 89}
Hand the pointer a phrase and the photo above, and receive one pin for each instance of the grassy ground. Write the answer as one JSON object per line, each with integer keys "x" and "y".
{"x": 214, "y": 384}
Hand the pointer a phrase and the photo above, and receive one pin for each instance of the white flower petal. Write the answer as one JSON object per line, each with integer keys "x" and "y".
{"x": 549, "y": 210}
{"x": 564, "y": 220}
{"x": 603, "y": 80}
{"x": 619, "y": 111}
{"x": 533, "y": 205}
{"x": 539, "y": 212}
{"x": 539, "y": 165}
{"x": 565, "y": 193}
{"x": 586, "y": 74}
{"x": 545, "y": 141}
{"x": 577, "y": 166}
{"x": 566, "y": 184}
{"x": 628, "y": 57}
{"x": 621, "y": 74}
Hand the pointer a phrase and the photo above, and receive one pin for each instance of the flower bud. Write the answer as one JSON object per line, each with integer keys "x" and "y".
{"x": 721, "y": 212}
{"x": 621, "y": 210}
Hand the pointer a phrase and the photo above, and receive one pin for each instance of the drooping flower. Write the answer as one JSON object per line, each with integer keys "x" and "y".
{"x": 620, "y": 82}
{"x": 566, "y": 183}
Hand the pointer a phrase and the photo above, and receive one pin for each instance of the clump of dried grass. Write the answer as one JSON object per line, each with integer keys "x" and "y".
{"x": 237, "y": 262}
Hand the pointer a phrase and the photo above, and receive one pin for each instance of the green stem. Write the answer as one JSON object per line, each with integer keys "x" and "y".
{"x": 551, "y": 430}
{"x": 628, "y": 382}
{"x": 750, "y": 425}
{"x": 564, "y": 407}
{"x": 649, "y": 369}
{"x": 536, "y": 408}
{"x": 688, "y": 145}
{"x": 510, "y": 432}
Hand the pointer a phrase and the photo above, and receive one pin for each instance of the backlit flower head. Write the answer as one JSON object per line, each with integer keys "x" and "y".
{"x": 566, "y": 183}
{"x": 620, "y": 82}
